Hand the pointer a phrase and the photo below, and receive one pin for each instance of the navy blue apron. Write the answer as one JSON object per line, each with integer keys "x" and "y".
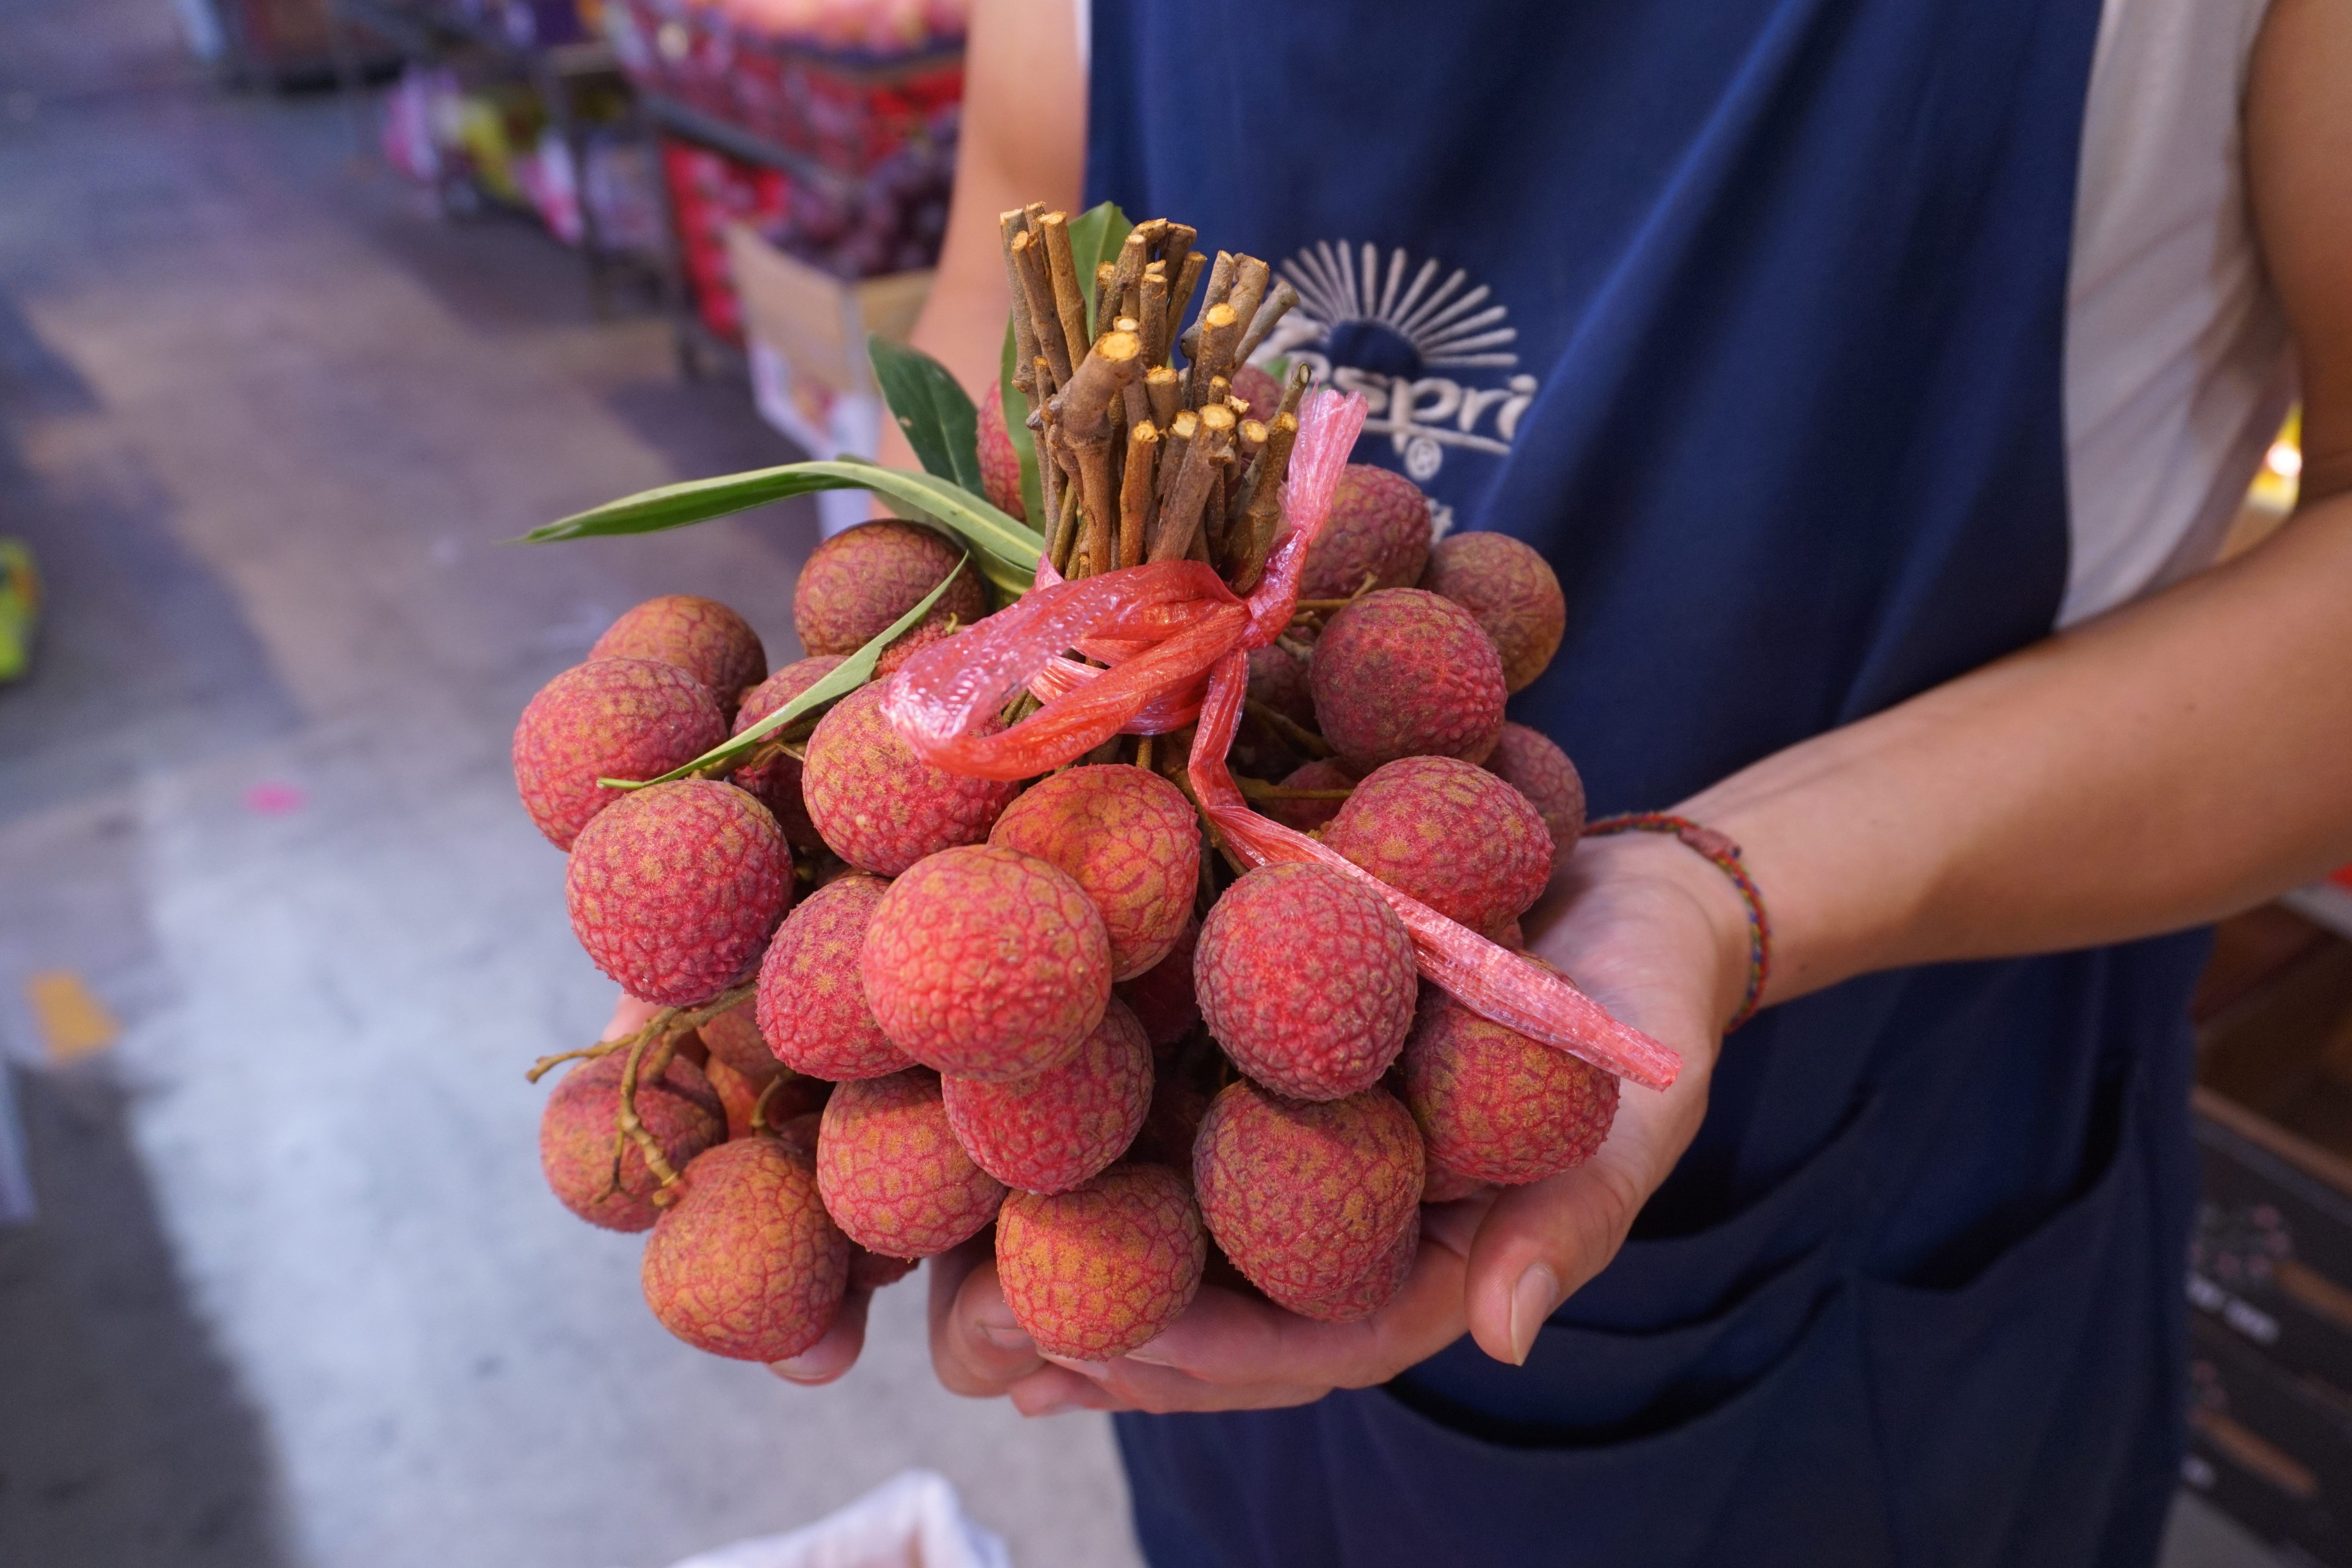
{"x": 1748, "y": 314}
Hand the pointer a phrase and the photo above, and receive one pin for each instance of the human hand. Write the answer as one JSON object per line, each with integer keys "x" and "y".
{"x": 1650, "y": 931}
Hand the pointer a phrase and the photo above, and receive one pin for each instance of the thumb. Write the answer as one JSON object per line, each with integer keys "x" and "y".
{"x": 1541, "y": 1241}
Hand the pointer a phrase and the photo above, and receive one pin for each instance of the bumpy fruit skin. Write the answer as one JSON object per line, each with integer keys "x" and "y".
{"x": 734, "y": 1038}
{"x": 777, "y": 783}
{"x": 674, "y": 890}
{"x": 1161, "y": 997}
{"x": 1379, "y": 528}
{"x": 1444, "y": 1184}
{"x": 1306, "y": 978}
{"x": 748, "y": 1264}
{"x": 1278, "y": 677}
{"x": 892, "y": 1173}
{"x": 859, "y": 581}
{"x": 1513, "y": 592}
{"x": 1360, "y": 1299}
{"x": 702, "y": 637}
{"x": 878, "y": 805}
{"x": 1128, "y": 839}
{"x": 1449, "y": 833}
{"x": 1095, "y": 1272}
{"x": 1259, "y": 390}
{"x": 987, "y": 964}
{"x": 872, "y": 1271}
{"x": 1404, "y": 673}
{"x": 610, "y": 717}
{"x": 1306, "y": 815}
{"x": 1495, "y": 1106}
{"x": 811, "y": 1002}
{"x": 1178, "y": 1104}
{"x": 1528, "y": 761}
{"x": 1000, "y": 465}
{"x": 1050, "y": 1132}
{"x": 577, "y": 1128}
{"x": 1306, "y": 1198}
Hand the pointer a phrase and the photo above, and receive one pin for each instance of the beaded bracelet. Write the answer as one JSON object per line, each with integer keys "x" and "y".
{"x": 1720, "y": 848}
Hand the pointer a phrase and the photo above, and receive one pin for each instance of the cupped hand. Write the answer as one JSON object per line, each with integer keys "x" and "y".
{"x": 1645, "y": 927}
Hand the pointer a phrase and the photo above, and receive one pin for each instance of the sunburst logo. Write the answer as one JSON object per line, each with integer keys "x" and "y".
{"x": 1385, "y": 327}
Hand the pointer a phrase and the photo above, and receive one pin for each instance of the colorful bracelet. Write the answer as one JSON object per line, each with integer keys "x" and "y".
{"x": 1720, "y": 848}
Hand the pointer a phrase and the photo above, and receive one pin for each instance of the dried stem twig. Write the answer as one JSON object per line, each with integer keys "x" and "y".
{"x": 1135, "y": 491}
{"x": 1289, "y": 729}
{"x": 1276, "y": 305}
{"x": 1069, "y": 302}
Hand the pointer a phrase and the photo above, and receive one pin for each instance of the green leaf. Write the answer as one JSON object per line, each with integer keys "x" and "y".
{"x": 839, "y": 681}
{"x": 940, "y": 421}
{"x": 1016, "y": 428}
{"x": 1008, "y": 551}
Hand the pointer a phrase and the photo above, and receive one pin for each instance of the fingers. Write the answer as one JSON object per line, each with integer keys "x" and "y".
{"x": 978, "y": 1348}
{"x": 1538, "y": 1243}
{"x": 837, "y": 1351}
{"x": 629, "y": 1016}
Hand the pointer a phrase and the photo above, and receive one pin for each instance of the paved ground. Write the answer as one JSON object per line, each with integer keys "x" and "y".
{"x": 295, "y": 1294}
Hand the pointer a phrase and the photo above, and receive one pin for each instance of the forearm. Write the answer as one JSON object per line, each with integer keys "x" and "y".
{"x": 2162, "y": 765}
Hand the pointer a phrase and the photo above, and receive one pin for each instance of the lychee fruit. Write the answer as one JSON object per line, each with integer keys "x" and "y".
{"x": 674, "y": 890}
{"x": 702, "y": 637}
{"x": 1306, "y": 1198}
{"x": 748, "y": 1264}
{"x": 1306, "y": 815}
{"x": 1173, "y": 1122}
{"x": 811, "y": 1002}
{"x": 878, "y": 805}
{"x": 1161, "y": 997}
{"x": 1000, "y": 465}
{"x": 1360, "y": 1299}
{"x": 1094, "y": 1272}
{"x": 1442, "y": 1185}
{"x": 1404, "y": 673}
{"x": 892, "y": 1173}
{"x": 914, "y": 640}
{"x": 734, "y": 1038}
{"x": 1513, "y": 592}
{"x": 1379, "y": 528}
{"x": 1259, "y": 390}
{"x": 1051, "y": 1132}
{"x": 987, "y": 964}
{"x": 1495, "y": 1106}
{"x": 1130, "y": 841}
{"x": 861, "y": 580}
{"x": 777, "y": 783}
{"x": 579, "y": 1128}
{"x": 1306, "y": 978}
{"x": 1449, "y": 833}
{"x": 1528, "y": 761}
{"x": 1277, "y": 679}
{"x": 872, "y": 1271}
{"x": 610, "y": 717}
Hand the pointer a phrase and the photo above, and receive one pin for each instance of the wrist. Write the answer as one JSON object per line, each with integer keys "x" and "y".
{"x": 1709, "y": 904}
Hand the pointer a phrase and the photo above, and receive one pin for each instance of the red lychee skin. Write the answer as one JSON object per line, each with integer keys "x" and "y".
{"x": 1173, "y": 1124}
{"x": 577, "y": 1129}
{"x": 862, "y": 579}
{"x": 987, "y": 964}
{"x": 1528, "y": 761}
{"x": 1000, "y": 465}
{"x": 748, "y": 1265}
{"x": 1277, "y": 678}
{"x": 1495, "y": 1106}
{"x": 702, "y": 637}
{"x": 1306, "y": 978}
{"x": 878, "y": 805}
{"x": 1442, "y": 1184}
{"x": 674, "y": 890}
{"x": 1513, "y": 592}
{"x": 1130, "y": 841}
{"x": 1067, "y": 1125}
{"x": 1360, "y": 1299}
{"x": 1449, "y": 833}
{"x": 777, "y": 783}
{"x": 914, "y": 640}
{"x": 1306, "y": 1198}
{"x": 812, "y": 1004}
{"x": 1404, "y": 673}
{"x": 1259, "y": 390}
{"x": 610, "y": 717}
{"x": 892, "y": 1173}
{"x": 1379, "y": 528}
{"x": 1095, "y": 1272}
{"x": 1306, "y": 815}
{"x": 872, "y": 1271}
{"x": 1161, "y": 997}
{"x": 734, "y": 1038}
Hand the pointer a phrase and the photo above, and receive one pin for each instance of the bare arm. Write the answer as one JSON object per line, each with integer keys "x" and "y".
{"x": 2169, "y": 763}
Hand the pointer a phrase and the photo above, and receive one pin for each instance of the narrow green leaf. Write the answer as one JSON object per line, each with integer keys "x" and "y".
{"x": 939, "y": 420}
{"x": 839, "y": 681}
{"x": 1016, "y": 426}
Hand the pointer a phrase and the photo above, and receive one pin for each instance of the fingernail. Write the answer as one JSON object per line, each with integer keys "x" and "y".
{"x": 1005, "y": 1335}
{"x": 1532, "y": 1299}
{"x": 1093, "y": 1369}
